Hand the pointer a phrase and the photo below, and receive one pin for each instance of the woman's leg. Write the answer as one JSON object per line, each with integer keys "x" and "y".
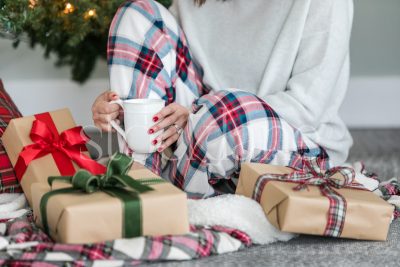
{"x": 148, "y": 57}
{"x": 226, "y": 129}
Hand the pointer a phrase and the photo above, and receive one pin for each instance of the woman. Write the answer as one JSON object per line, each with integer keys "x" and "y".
{"x": 258, "y": 81}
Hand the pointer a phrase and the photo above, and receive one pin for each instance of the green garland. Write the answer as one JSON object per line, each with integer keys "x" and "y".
{"x": 74, "y": 30}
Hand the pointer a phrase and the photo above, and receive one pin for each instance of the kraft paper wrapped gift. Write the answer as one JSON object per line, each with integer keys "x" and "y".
{"x": 51, "y": 144}
{"x": 96, "y": 217}
{"x": 368, "y": 217}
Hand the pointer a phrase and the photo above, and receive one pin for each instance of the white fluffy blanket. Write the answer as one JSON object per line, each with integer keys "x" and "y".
{"x": 236, "y": 212}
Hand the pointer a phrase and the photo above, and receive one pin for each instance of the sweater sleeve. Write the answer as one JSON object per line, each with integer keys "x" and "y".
{"x": 320, "y": 68}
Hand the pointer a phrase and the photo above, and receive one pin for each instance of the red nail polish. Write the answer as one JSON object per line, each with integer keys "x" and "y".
{"x": 155, "y": 142}
{"x": 160, "y": 149}
{"x": 155, "y": 118}
{"x": 151, "y": 131}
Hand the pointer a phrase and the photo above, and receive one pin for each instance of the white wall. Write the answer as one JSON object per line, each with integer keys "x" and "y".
{"x": 376, "y": 38}
{"x": 36, "y": 86}
{"x": 35, "y": 96}
{"x": 372, "y": 100}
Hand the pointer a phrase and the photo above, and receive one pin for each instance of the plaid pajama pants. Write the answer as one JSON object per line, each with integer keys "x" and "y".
{"x": 149, "y": 57}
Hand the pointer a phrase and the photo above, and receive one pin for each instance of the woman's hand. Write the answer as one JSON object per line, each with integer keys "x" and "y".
{"x": 172, "y": 118}
{"x": 103, "y": 112}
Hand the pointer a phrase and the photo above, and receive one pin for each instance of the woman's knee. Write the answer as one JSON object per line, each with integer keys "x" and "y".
{"x": 148, "y": 8}
{"x": 136, "y": 26}
{"x": 134, "y": 18}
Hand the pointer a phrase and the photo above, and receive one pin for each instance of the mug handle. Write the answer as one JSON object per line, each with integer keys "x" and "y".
{"x": 113, "y": 123}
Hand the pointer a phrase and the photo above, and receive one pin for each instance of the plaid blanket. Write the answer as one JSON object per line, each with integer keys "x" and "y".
{"x": 390, "y": 191}
{"x": 8, "y": 111}
{"x": 24, "y": 244}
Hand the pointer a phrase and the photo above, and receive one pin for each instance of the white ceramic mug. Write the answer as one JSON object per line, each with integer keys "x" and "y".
{"x": 138, "y": 119}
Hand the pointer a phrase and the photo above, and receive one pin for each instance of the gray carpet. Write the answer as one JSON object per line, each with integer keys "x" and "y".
{"x": 380, "y": 150}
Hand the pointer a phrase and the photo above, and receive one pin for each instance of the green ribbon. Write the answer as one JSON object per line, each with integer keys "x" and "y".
{"x": 114, "y": 182}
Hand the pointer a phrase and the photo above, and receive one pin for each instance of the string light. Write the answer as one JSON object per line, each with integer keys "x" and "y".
{"x": 90, "y": 13}
{"x": 69, "y": 8}
{"x": 32, "y": 3}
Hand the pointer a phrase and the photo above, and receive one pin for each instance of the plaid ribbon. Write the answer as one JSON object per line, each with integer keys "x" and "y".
{"x": 311, "y": 174}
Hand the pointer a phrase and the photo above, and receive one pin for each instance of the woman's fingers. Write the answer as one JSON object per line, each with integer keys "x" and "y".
{"x": 106, "y": 118}
{"x": 112, "y": 96}
{"x": 166, "y": 111}
{"x": 170, "y": 135}
{"x": 106, "y": 127}
{"x": 100, "y": 104}
{"x": 107, "y": 108}
{"x": 166, "y": 122}
{"x": 172, "y": 139}
{"x": 103, "y": 112}
{"x": 165, "y": 135}
{"x": 169, "y": 116}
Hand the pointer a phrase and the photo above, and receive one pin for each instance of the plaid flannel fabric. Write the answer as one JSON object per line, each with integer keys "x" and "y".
{"x": 225, "y": 129}
{"x": 311, "y": 174}
{"x": 390, "y": 191}
{"x": 32, "y": 246}
{"x": 8, "y": 110}
{"x": 149, "y": 57}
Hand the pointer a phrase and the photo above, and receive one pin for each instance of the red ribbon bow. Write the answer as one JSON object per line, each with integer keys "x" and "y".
{"x": 65, "y": 148}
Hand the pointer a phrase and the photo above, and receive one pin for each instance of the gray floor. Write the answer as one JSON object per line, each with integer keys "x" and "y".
{"x": 380, "y": 150}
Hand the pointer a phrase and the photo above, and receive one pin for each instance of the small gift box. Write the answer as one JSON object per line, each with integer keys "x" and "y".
{"x": 124, "y": 202}
{"x": 311, "y": 202}
{"x": 46, "y": 144}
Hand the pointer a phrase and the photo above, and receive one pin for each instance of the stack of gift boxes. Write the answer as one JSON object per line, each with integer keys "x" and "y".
{"x": 77, "y": 200}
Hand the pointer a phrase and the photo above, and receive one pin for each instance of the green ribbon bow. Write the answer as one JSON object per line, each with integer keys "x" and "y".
{"x": 114, "y": 182}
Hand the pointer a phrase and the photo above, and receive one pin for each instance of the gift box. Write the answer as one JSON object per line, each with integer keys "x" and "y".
{"x": 46, "y": 144}
{"x": 310, "y": 203}
{"x": 76, "y": 216}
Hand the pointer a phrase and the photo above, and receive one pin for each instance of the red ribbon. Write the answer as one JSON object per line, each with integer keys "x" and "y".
{"x": 65, "y": 148}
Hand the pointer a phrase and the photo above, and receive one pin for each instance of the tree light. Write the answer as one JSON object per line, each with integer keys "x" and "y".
{"x": 32, "y": 3}
{"x": 90, "y": 13}
{"x": 69, "y": 8}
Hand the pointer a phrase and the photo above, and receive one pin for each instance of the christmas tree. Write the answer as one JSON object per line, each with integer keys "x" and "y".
{"x": 74, "y": 30}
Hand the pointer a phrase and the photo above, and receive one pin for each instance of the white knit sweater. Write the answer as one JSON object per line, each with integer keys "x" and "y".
{"x": 294, "y": 54}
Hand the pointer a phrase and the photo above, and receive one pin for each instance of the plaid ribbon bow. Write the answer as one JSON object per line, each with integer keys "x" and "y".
{"x": 312, "y": 174}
